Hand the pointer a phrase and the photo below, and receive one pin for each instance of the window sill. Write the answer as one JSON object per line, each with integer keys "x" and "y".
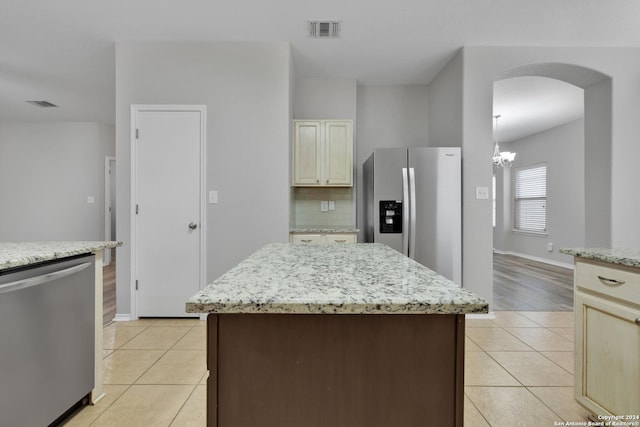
{"x": 530, "y": 233}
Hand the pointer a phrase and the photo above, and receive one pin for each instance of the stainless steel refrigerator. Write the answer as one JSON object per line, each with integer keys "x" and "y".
{"x": 412, "y": 202}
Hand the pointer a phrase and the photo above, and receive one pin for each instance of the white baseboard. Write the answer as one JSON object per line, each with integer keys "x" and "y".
{"x": 486, "y": 316}
{"x": 122, "y": 317}
{"x": 535, "y": 258}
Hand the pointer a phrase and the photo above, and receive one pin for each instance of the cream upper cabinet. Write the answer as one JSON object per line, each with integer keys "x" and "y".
{"x": 307, "y": 152}
{"x": 338, "y": 152}
{"x": 607, "y": 305}
{"x": 323, "y": 153}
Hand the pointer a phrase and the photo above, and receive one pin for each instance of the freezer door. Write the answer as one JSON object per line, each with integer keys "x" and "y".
{"x": 386, "y": 183}
{"x": 437, "y": 224}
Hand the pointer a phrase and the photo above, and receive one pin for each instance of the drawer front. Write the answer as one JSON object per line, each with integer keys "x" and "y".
{"x": 306, "y": 238}
{"x": 617, "y": 282}
{"x": 341, "y": 238}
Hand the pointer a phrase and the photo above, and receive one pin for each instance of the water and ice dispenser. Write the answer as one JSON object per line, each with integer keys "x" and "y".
{"x": 390, "y": 216}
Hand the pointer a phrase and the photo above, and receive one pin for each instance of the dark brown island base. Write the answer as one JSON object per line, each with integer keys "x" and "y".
{"x": 334, "y": 336}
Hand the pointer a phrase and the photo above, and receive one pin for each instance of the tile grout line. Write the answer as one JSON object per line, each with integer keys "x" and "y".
{"x": 183, "y": 404}
{"x": 527, "y": 388}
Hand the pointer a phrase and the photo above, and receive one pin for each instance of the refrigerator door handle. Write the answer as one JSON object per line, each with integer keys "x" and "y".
{"x": 412, "y": 215}
{"x": 405, "y": 212}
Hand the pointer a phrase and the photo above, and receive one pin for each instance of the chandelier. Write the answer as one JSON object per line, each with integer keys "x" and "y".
{"x": 504, "y": 158}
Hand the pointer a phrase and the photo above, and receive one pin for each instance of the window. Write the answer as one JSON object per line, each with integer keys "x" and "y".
{"x": 531, "y": 199}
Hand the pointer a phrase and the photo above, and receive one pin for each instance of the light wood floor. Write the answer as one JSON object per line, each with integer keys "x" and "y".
{"x": 525, "y": 285}
{"x": 109, "y": 290}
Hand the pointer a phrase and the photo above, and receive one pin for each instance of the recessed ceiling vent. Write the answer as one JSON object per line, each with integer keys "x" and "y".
{"x": 325, "y": 29}
{"x": 43, "y": 104}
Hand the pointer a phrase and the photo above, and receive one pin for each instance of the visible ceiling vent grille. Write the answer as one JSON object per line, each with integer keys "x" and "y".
{"x": 44, "y": 104}
{"x": 324, "y": 29}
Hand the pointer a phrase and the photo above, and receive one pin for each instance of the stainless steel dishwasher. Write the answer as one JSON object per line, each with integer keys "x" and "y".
{"x": 46, "y": 340}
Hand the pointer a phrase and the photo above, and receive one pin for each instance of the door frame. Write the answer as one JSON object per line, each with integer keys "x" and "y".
{"x": 135, "y": 109}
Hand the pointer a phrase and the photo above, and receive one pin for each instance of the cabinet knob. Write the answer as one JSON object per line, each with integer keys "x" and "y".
{"x": 317, "y": 181}
{"x": 327, "y": 181}
{"x": 638, "y": 321}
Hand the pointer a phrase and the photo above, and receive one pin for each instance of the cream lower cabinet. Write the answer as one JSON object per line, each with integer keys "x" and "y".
{"x": 607, "y": 308}
{"x": 323, "y": 238}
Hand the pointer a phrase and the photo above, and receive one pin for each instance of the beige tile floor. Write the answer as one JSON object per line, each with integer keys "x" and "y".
{"x": 518, "y": 372}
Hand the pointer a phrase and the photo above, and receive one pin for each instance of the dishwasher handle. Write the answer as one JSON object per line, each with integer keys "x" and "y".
{"x": 44, "y": 278}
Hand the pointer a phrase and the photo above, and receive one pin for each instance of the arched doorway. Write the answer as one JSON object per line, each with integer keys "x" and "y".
{"x": 597, "y": 141}
{"x": 580, "y": 213}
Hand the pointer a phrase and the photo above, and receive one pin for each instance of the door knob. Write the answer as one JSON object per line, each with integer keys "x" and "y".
{"x": 193, "y": 225}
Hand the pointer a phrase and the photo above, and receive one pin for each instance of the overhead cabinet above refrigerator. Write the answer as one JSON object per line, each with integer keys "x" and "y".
{"x": 413, "y": 204}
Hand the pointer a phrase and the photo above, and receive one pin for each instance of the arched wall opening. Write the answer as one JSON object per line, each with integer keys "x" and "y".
{"x": 461, "y": 111}
{"x": 597, "y": 141}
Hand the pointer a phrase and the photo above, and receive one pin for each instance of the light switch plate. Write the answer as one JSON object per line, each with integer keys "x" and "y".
{"x": 213, "y": 196}
{"x": 482, "y": 193}
{"x": 324, "y": 206}
{"x": 91, "y": 199}
{"x": 332, "y": 205}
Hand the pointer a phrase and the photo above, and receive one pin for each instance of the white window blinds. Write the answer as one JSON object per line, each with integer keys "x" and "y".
{"x": 531, "y": 199}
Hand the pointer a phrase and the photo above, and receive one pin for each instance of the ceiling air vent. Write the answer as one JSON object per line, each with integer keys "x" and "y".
{"x": 324, "y": 29}
{"x": 44, "y": 104}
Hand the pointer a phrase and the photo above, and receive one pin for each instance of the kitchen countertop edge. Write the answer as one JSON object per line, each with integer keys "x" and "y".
{"x": 412, "y": 308}
{"x": 629, "y": 257}
{"x": 20, "y": 254}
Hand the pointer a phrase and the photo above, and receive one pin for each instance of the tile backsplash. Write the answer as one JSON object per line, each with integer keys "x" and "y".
{"x": 305, "y": 206}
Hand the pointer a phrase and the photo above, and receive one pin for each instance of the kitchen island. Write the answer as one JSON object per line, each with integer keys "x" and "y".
{"x": 334, "y": 335}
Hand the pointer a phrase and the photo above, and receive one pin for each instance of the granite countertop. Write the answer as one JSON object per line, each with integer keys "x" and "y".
{"x": 324, "y": 229}
{"x": 629, "y": 257}
{"x": 359, "y": 278}
{"x": 18, "y": 254}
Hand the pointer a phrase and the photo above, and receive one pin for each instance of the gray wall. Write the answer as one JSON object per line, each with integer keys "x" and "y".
{"x": 445, "y": 105}
{"x": 388, "y": 116}
{"x": 246, "y": 88}
{"x": 47, "y": 172}
{"x": 324, "y": 98}
{"x": 450, "y": 117}
{"x": 562, "y": 149}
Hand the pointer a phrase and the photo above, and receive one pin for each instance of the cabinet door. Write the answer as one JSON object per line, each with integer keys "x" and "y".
{"x": 306, "y": 238}
{"x": 338, "y": 153}
{"x": 607, "y": 355}
{"x": 307, "y": 151}
{"x": 341, "y": 238}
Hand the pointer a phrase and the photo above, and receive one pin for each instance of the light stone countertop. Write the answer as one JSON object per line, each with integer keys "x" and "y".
{"x": 324, "y": 229}
{"x": 366, "y": 278}
{"x": 19, "y": 254}
{"x": 629, "y": 257}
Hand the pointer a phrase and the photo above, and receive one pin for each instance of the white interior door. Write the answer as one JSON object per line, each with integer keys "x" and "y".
{"x": 168, "y": 149}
